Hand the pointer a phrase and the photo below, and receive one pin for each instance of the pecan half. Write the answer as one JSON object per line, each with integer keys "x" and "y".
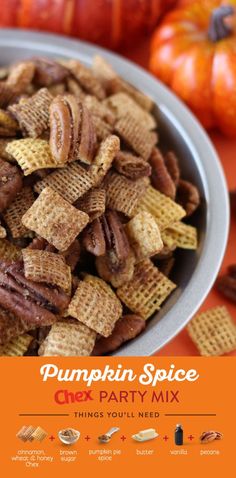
{"x": 126, "y": 328}
{"x": 106, "y": 235}
{"x": 94, "y": 239}
{"x": 131, "y": 166}
{"x": 72, "y": 134}
{"x": 48, "y": 72}
{"x": 226, "y": 284}
{"x": 10, "y": 183}
{"x": 207, "y": 437}
{"x": 188, "y": 196}
{"x": 33, "y": 303}
{"x": 172, "y": 164}
{"x": 160, "y": 177}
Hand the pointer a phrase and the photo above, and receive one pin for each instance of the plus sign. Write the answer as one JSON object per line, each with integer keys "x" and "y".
{"x": 123, "y": 438}
{"x": 87, "y": 438}
{"x": 51, "y": 438}
{"x": 165, "y": 438}
{"x": 190, "y": 437}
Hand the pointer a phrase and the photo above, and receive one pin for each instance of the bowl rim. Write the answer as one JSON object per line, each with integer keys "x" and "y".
{"x": 196, "y": 139}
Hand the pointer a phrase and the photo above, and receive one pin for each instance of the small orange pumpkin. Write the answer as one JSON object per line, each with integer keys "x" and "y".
{"x": 194, "y": 52}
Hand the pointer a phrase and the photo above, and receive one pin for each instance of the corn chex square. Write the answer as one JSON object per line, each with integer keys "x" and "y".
{"x": 54, "y": 219}
{"x": 180, "y": 235}
{"x": 147, "y": 290}
{"x": 32, "y": 154}
{"x": 213, "y": 331}
{"x": 163, "y": 209}
{"x": 16, "y": 347}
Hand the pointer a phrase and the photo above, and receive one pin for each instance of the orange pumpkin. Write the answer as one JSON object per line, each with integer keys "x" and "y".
{"x": 111, "y": 23}
{"x": 194, "y": 52}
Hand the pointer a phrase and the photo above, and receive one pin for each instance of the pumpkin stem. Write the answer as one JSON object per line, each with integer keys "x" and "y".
{"x": 217, "y": 28}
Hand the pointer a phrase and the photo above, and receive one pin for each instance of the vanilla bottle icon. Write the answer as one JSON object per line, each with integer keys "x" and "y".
{"x": 179, "y": 435}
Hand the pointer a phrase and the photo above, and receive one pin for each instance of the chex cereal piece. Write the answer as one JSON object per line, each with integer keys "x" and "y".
{"x": 75, "y": 89}
{"x": 99, "y": 109}
{"x": 141, "y": 140}
{"x": 9, "y": 251}
{"x": 163, "y": 209}
{"x": 102, "y": 128}
{"x": 148, "y": 289}
{"x": 123, "y": 194}
{"x": 55, "y": 219}
{"x": 104, "y": 158}
{"x": 44, "y": 266}
{"x": 21, "y": 432}
{"x": 10, "y": 326}
{"x": 16, "y": 210}
{"x": 16, "y": 347}
{"x": 86, "y": 78}
{"x": 27, "y": 434}
{"x": 33, "y": 113}
{"x": 121, "y": 104}
{"x": 93, "y": 203}
{"x": 144, "y": 235}
{"x": 32, "y": 154}
{"x": 70, "y": 182}
{"x": 114, "y": 83}
{"x": 21, "y": 75}
{"x": 180, "y": 235}
{"x": 39, "y": 434}
{"x": 95, "y": 305}
{"x": 68, "y": 337}
{"x": 213, "y": 331}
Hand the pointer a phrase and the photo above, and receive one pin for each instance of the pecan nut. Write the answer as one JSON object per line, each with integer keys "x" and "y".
{"x": 160, "y": 177}
{"x": 188, "y": 196}
{"x": 133, "y": 167}
{"x": 106, "y": 235}
{"x": 10, "y": 183}
{"x": 33, "y": 303}
{"x": 72, "y": 133}
{"x": 226, "y": 284}
{"x": 207, "y": 437}
{"x": 126, "y": 328}
{"x": 172, "y": 164}
{"x": 48, "y": 72}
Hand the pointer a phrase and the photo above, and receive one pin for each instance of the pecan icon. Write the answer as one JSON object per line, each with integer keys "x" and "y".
{"x": 35, "y": 304}
{"x": 106, "y": 235}
{"x": 207, "y": 437}
{"x": 72, "y": 133}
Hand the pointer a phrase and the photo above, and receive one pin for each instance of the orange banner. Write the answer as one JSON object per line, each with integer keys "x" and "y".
{"x": 56, "y": 416}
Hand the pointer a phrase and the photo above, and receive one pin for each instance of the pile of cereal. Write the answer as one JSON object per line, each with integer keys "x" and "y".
{"x": 91, "y": 210}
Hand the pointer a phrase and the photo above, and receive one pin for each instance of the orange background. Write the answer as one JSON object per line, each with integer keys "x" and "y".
{"x": 182, "y": 344}
{"x": 23, "y": 391}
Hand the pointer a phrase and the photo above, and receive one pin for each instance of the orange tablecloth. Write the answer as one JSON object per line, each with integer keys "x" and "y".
{"x": 182, "y": 344}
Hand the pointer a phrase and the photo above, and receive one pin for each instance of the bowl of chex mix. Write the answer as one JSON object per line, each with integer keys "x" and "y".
{"x": 113, "y": 205}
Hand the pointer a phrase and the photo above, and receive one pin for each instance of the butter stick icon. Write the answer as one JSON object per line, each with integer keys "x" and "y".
{"x": 145, "y": 435}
